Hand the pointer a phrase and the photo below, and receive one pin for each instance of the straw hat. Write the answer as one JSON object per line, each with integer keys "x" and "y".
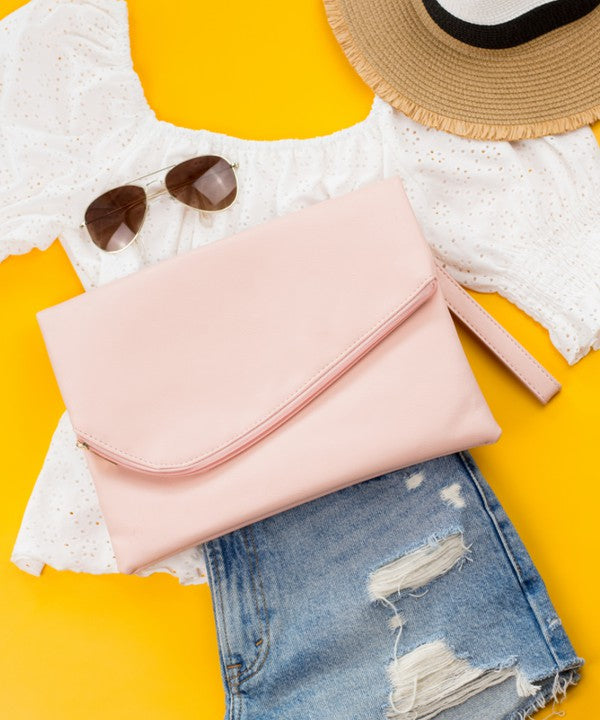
{"x": 485, "y": 69}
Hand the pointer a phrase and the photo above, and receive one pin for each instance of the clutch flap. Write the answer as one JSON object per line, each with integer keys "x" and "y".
{"x": 184, "y": 364}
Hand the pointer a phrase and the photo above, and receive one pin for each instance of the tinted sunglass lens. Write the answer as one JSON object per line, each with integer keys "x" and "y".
{"x": 114, "y": 218}
{"x": 205, "y": 183}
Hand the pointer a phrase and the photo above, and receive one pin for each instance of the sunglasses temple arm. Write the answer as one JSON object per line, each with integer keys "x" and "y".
{"x": 144, "y": 250}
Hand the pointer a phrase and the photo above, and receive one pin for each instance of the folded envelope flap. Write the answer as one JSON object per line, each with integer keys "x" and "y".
{"x": 184, "y": 364}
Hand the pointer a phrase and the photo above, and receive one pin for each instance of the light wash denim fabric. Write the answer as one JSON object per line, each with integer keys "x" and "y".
{"x": 409, "y": 596}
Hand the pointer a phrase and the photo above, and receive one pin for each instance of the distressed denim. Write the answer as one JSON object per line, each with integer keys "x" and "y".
{"x": 408, "y": 596}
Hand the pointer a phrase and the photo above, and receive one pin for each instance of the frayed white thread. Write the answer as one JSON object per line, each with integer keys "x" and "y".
{"x": 413, "y": 481}
{"x": 432, "y": 678}
{"x": 452, "y": 496}
{"x": 533, "y": 708}
{"x": 396, "y": 641}
{"x": 417, "y": 568}
{"x": 419, "y": 595}
{"x": 540, "y": 704}
{"x": 524, "y": 687}
{"x": 410, "y": 704}
{"x": 560, "y": 685}
{"x": 410, "y": 715}
{"x": 465, "y": 558}
{"x": 396, "y": 622}
{"x": 554, "y": 713}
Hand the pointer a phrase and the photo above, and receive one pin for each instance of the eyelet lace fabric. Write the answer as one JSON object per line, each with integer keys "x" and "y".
{"x": 514, "y": 218}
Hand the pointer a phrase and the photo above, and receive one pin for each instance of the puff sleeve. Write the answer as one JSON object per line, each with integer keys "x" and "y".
{"x": 518, "y": 218}
{"x": 63, "y": 106}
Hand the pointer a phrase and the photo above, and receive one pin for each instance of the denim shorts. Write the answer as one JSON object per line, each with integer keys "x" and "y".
{"x": 409, "y": 596}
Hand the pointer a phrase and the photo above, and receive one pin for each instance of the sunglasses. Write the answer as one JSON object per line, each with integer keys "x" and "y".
{"x": 207, "y": 183}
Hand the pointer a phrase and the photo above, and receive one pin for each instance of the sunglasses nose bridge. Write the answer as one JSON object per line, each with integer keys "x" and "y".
{"x": 163, "y": 191}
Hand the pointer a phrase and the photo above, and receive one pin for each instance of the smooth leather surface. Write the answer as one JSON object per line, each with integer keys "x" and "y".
{"x": 208, "y": 352}
{"x": 264, "y": 370}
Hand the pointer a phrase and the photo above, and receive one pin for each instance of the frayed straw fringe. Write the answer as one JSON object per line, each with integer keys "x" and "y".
{"x": 464, "y": 128}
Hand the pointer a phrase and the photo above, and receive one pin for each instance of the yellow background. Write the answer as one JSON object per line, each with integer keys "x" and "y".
{"x": 74, "y": 645}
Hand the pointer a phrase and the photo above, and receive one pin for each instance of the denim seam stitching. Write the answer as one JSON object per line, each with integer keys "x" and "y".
{"x": 253, "y": 586}
{"x": 513, "y": 561}
{"x": 236, "y": 706}
{"x": 256, "y": 665}
{"x": 261, "y": 657}
{"x": 212, "y": 568}
{"x": 244, "y": 532}
{"x": 232, "y": 677}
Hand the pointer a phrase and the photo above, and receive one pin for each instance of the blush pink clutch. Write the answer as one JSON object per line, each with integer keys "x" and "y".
{"x": 255, "y": 373}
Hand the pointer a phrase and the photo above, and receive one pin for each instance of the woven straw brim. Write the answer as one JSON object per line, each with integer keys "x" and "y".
{"x": 546, "y": 86}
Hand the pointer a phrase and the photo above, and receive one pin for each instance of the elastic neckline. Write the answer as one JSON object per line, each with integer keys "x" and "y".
{"x": 357, "y": 128}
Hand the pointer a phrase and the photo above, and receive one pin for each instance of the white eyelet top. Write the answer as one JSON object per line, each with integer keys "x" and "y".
{"x": 516, "y": 218}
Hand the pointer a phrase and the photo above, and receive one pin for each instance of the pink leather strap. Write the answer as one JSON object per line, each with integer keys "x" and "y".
{"x": 500, "y": 342}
